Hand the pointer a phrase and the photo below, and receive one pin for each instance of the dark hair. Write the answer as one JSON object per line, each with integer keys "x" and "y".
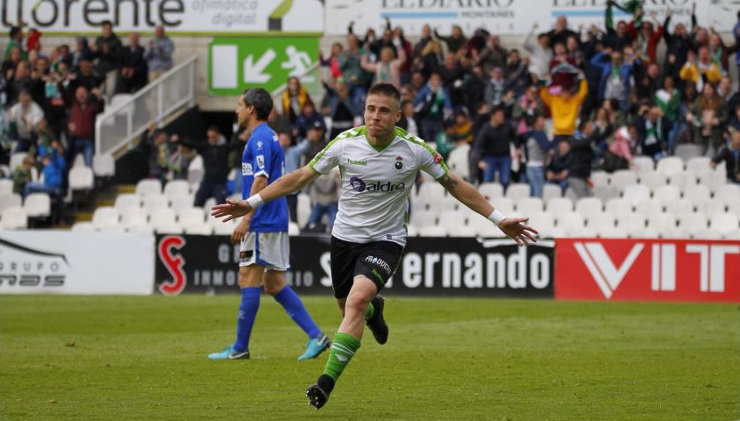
{"x": 497, "y": 109}
{"x": 106, "y": 22}
{"x": 213, "y": 128}
{"x": 405, "y": 102}
{"x": 260, "y": 99}
{"x": 386, "y": 89}
{"x": 13, "y": 31}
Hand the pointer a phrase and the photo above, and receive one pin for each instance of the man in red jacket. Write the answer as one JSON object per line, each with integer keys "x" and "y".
{"x": 82, "y": 109}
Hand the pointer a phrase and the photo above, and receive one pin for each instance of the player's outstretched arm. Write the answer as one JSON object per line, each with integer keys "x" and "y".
{"x": 282, "y": 186}
{"x": 468, "y": 195}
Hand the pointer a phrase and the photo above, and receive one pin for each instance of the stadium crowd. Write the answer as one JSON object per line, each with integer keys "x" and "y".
{"x": 563, "y": 103}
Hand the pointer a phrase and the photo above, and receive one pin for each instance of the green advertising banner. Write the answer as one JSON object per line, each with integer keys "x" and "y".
{"x": 239, "y": 63}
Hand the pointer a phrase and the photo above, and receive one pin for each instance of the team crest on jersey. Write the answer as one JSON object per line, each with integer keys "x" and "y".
{"x": 259, "y": 145}
{"x": 399, "y": 162}
{"x": 437, "y": 158}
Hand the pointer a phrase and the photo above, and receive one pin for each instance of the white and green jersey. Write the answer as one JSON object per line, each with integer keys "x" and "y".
{"x": 376, "y": 183}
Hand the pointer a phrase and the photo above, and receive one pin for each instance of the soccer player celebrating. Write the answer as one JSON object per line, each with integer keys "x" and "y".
{"x": 378, "y": 163}
{"x": 263, "y": 234}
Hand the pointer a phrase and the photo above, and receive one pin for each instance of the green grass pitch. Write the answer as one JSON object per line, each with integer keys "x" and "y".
{"x": 144, "y": 358}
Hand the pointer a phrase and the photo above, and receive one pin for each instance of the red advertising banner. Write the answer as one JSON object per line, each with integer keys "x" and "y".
{"x": 647, "y": 270}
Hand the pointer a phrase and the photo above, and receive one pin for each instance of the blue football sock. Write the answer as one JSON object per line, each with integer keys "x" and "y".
{"x": 295, "y": 309}
{"x": 247, "y": 313}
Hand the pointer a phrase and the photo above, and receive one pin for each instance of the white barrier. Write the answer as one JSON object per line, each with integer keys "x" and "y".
{"x": 65, "y": 262}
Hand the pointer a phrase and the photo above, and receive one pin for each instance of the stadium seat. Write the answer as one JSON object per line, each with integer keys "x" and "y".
{"x": 589, "y": 206}
{"x": 725, "y": 223}
{"x": 670, "y": 165}
{"x": 682, "y": 179}
{"x": 201, "y": 228}
{"x": 421, "y": 219}
{"x": 605, "y": 193}
{"x": 699, "y": 165}
{"x": 81, "y": 179}
{"x": 148, "y": 186}
{"x": 632, "y": 224}
{"x": 184, "y": 202}
{"x": 10, "y": 200}
{"x": 303, "y": 209}
{"x": 559, "y": 206}
{"x": 517, "y": 191}
{"x": 463, "y": 231}
{"x": 733, "y": 205}
{"x": 484, "y": 228}
{"x": 618, "y": 207}
{"x": 551, "y": 191}
{"x": 542, "y": 221}
{"x": 167, "y": 227}
{"x": 697, "y": 194}
{"x": 191, "y": 216}
{"x": 623, "y": 178}
{"x": 599, "y": 220}
{"x": 653, "y": 179}
{"x": 13, "y": 218}
{"x": 643, "y": 164}
{"x": 570, "y": 222}
{"x": 104, "y": 165}
{"x": 648, "y": 207}
{"x": 727, "y": 191}
{"x": 133, "y": 217}
{"x": 610, "y": 231}
{"x": 155, "y": 202}
{"x": 16, "y": 159}
{"x": 432, "y": 231}
{"x": 503, "y": 204}
{"x": 443, "y": 204}
{"x": 680, "y": 206}
{"x": 459, "y": 161}
{"x": 688, "y": 151}
{"x": 713, "y": 207}
{"x": 600, "y": 178}
{"x": 451, "y": 220}
{"x": 83, "y": 227}
{"x": 636, "y": 193}
{"x": 6, "y": 186}
{"x": 293, "y": 229}
{"x": 175, "y": 188}
{"x": 105, "y": 217}
{"x": 582, "y": 231}
{"x": 431, "y": 191}
{"x": 529, "y": 205}
{"x": 693, "y": 223}
{"x": 662, "y": 222}
{"x": 79, "y": 161}
{"x": 127, "y": 201}
{"x": 37, "y": 205}
{"x": 647, "y": 233}
{"x": 667, "y": 194}
{"x": 162, "y": 217}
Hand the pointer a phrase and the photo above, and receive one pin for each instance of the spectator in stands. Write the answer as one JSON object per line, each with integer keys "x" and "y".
{"x": 22, "y": 174}
{"x": 325, "y": 198}
{"x": 473, "y": 87}
{"x": 677, "y": 44}
{"x": 563, "y": 70}
{"x": 615, "y": 38}
{"x": 181, "y": 158}
{"x": 53, "y": 168}
{"x": 653, "y": 129}
{"x": 527, "y": 108}
{"x": 429, "y": 57}
{"x": 350, "y": 63}
{"x": 539, "y": 53}
{"x": 341, "y": 107}
{"x": 579, "y": 168}
{"x": 492, "y": 148}
{"x": 561, "y": 32}
{"x": 708, "y": 115}
{"x": 82, "y": 51}
{"x": 718, "y": 52}
{"x": 307, "y": 118}
{"x": 23, "y": 119}
{"x": 557, "y": 170}
{"x": 132, "y": 67}
{"x": 21, "y": 80}
{"x": 106, "y": 50}
{"x": 295, "y": 97}
{"x": 432, "y": 106}
{"x": 15, "y": 40}
{"x": 701, "y": 70}
{"x": 619, "y": 154}
{"x": 735, "y": 119}
{"x": 388, "y": 68}
{"x": 564, "y": 108}
{"x": 293, "y": 156}
{"x": 731, "y": 157}
{"x": 10, "y": 62}
{"x": 408, "y": 118}
{"x": 82, "y": 109}
{"x": 647, "y": 39}
{"x": 493, "y": 55}
{"x": 216, "y": 163}
{"x": 517, "y": 72}
{"x": 85, "y": 76}
{"x": 445, "y": 140}
{"x": 159, "y": 54}
{"x": 616, "y": 74}
{"x": 736, "y": 35}
{"x": 669, "y": 101}
{"x": 463, "y": 128}
{"x": 536, "y": 150}
{"x": 455, "y": 41}
{"x": 496, "y": 87}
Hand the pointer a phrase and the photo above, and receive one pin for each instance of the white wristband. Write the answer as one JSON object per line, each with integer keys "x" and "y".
{"x": 496, "y": 217}
{"x": 255, "y": 201}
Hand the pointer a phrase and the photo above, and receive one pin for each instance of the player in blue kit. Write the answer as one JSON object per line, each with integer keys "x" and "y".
{"x": 264, "y": 252}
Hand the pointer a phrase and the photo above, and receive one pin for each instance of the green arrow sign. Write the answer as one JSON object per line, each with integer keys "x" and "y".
{"x": 239, "y": 63}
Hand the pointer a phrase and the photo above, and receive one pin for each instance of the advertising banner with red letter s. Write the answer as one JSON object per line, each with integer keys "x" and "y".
{"x": 647, "y": 270}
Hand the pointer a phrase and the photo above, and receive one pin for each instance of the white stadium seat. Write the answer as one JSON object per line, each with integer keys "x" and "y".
{"x": 503, "y": 204}
{"x": 648, "y": 207}
{"x": 714, "y": 180}
{"x": 127, "y": 201}
{"x": 433, "y": 231}
{"x": 636, "y": 193}
{"x": 10, "y": 201}
{"x": 605, "y": 193}
{"x": 459, "y": 161}
{"x": 184, "y": 202}
{"x": 653, "y": 179}
{"x": 167, "y": 227}
{"x": 599, "y": 178}
{"x": 13, "y": 218}
{"x": 632, "y": 223}
{"x": 680, "y": 207}
{"x": 491, "y": 191}
{"x": 303, "y": 209}
{"x": 133, "y": 217}
{"x": 105, "y": 217}
{"x": 104, "y": 165}
{"x": 529, "y": 205}
{"x": 198, "y": 228}
{"x": 451, "y": 220}
{"x": 683, "y": 179}
{"x": 517, "y": 191}
{"x": 148, "y": 186}
{"x": 559, "y": 206}
{"x": 697, "y": 194}
{"x": 551, "y": 191}
{"x": 589, "y": 206}
{"x": 83, "y": 227}
{"x": 37, "y": 205}
{"x": 713, "y": 207}
{"x": 155, "y": 202}
{"x": 81, "y": 178}
{"x": 431, "y": 191}
{"x": 162, "y": 217}
{"x": 484, "y": 228}
{"x": 667, "y": 194}
{"x": 662, "y": 222}
{"x": 725, "y": 223}
{"x": 623, "y": 178}
{"x": 670, "y": 165}
{"x": 463, "y": 231}
{"x": 16, "y": 159}
{"x": 699, "y": 165}
{"x": 293, "y": 229}
{"x": 421, "y": 219}
{"x": 688, "y": 151}
{"x": 6, "y": 186}
{"x": 643, "y": 164}
{"x": 600, "y": 220}
{"x": 618, "y": 207}
{"x": 727, "y": 192}
{"x": 175, "y": 188}
{"x": 191, "y": 216}
{"x": 571, "y": 221}
{"x": 693, "y": 223}
{"x": 542, "y": 221}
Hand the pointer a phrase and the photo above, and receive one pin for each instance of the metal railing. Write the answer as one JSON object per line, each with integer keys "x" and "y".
{"x": 129, "y": 115}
